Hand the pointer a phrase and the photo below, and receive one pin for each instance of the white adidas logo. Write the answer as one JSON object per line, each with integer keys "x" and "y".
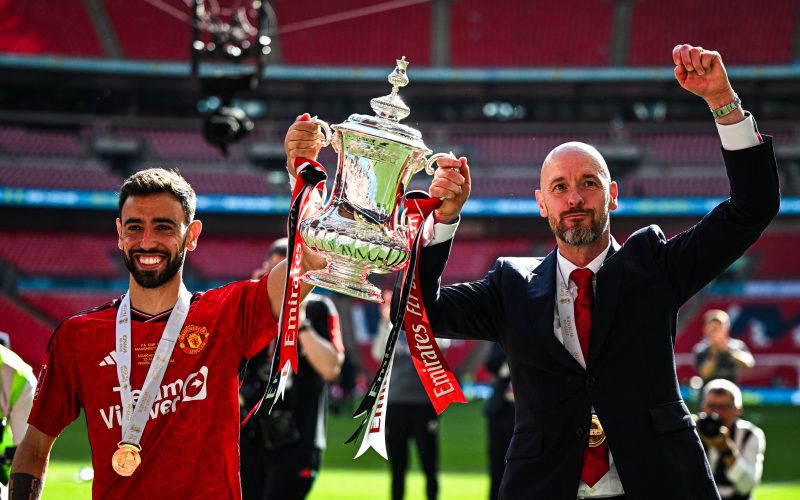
{"x": 110, "y": 359}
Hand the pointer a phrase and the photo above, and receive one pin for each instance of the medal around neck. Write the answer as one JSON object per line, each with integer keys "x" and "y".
{"x": 360, "y": 230}
{"x": 596, "y": 433}
{"x": 126, "y": 459}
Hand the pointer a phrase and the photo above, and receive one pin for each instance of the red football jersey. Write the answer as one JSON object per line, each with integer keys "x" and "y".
{"x": 190, "y": 447}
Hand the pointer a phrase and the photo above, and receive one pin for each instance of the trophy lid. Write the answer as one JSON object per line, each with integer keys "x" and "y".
{"x": 389, "y": 110}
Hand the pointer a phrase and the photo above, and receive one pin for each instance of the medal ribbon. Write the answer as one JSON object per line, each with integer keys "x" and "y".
{"x": 135, "y": 417}
{"x": 310, "y": 176}
{"x": 566, "y": 316}
{"x": 437, "y": 378}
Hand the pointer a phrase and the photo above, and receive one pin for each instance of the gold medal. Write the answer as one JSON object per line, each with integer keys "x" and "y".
{"x": 126, "y": 459}
{"x": 596, "y": 433}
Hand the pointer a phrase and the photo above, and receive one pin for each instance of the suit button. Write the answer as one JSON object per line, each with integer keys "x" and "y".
{"x": 579, "y": 431}
{"x": 590, "y": 381}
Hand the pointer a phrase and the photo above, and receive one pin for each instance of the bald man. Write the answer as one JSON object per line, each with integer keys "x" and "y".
{"x": 589, "y": 329}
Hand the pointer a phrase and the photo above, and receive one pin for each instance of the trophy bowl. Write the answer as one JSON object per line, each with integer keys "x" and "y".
{"x": 360, "y": 231}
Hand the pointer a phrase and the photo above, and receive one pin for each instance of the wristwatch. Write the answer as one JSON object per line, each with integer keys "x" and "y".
{"x": 728, "y": 108}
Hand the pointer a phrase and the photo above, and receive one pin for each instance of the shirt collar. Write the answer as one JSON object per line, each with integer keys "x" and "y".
{"x": 566, "y": 267}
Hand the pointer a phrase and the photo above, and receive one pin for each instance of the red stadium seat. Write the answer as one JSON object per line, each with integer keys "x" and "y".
{"x": 28, "y": 334}
{"x": 228, "y": 258}
{"x": 59, "y": 305}
{"x": 147, "y": 32}
{"x": 353, "y": 33}
{"x": 67, "y": 255}
{"x": 47, "y": 28}
{"x": 61, "y": 175}
{"x": 656, "y": 27}
{"x": 509, "y": 33}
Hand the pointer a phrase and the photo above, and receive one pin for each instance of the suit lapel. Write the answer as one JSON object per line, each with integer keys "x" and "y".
{"x": 606, "y": 295}
{"x": 541, "y": 308}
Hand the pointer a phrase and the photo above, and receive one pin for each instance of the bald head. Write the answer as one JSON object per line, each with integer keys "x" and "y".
{"x": 576, "y": 150}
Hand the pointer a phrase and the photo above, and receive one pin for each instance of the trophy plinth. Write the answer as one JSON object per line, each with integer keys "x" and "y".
{"x": 359, "y": 231}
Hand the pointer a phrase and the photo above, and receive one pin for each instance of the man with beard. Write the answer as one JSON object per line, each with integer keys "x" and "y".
{"x": 589, "y": 329}
{"x": 155, "y": 371}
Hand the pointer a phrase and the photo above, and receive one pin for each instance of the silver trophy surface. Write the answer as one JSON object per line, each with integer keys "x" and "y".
{"x": 360, "y": 229}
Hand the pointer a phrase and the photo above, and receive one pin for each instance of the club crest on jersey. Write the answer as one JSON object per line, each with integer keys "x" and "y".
{"x": 193, "y": 339}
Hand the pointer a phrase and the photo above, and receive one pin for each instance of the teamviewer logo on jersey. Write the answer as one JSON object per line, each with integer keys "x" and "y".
{"x": 110, "y": 359}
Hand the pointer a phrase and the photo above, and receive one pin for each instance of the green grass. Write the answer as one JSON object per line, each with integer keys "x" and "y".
{"x": 463, "y": 460}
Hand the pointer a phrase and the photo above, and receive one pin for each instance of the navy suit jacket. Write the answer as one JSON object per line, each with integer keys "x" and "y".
{"x": 630, "y": 377}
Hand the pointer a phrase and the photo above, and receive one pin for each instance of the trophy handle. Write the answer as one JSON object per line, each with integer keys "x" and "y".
{"x": 432, "y": 160}
{"x": 326, "y": 130}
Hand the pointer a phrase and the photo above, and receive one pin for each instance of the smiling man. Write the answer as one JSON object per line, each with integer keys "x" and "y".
{"x": 155, "y": 371}
{"x": 589, "y": 329}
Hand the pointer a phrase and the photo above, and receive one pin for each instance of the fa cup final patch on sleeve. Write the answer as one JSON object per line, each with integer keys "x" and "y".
{"x": 193, "y": 339}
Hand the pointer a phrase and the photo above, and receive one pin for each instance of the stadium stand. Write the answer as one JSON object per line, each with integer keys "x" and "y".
{"x": 470, "y": 258}
{"x": 507, "y": 33}
{"x": 768, "y": 325}
{"x": 775, "y": 24}
{"x": 173, "y": 144}
{"x": 519, "y": 149}
{"x": 23, "y": 140}
{"x": 30, "y": 29}
{"x": 773, "y": 256}
{"x": 147, "y": 32}
{"x": 28, "y": 334}
{"x": 376, "y": 39}
{"x": 59, "y": 305}
{"x": 224, "y": 180}
{"x": 66, "y": 254}
{"x": 58, "y": 175}
{"x": 228, "y": 258}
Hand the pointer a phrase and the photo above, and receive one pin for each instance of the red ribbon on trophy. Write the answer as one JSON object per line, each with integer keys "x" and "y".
{"x": 436, "y": 376}
{"x": 310, "y": 176}
{"x": 438, "y": 379}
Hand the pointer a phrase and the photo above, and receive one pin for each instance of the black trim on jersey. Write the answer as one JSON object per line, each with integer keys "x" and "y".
{"x": 102, "y": 307}
{"x": 136, "y": 315}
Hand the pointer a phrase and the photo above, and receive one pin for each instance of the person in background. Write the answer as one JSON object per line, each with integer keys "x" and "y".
{"x": 735, "y": 446}
{"x": 17, "y": 385}
{"x": 281, "y": 451}
{"x": 410, "y": 414}
{"x": 499, "y": 411}
{"x": 718, "y": 355}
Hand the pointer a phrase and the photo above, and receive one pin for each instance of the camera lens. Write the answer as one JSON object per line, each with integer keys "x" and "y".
{"x": 709, "y": 424}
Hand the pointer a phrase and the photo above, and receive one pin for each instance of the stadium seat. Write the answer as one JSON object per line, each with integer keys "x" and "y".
{"x": 45, "y": 28}
{"x": 353, "y": 33}
{"x": 59, "y": 305}
{"x": 64, "y": 255}
{"x": 28, "y": 334}
{"x": 775, "y": 25}
{"x": 509, "y": 33}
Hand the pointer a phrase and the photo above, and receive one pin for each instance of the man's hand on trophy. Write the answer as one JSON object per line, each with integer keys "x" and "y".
{"x": 702, "y": 73}
{"x": 451, "y": 183}
{"x": 303, "y": 140}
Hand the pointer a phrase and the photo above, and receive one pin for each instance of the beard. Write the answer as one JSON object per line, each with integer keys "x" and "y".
{"x": 579, "y": 235}
{"x": 155, "y": 278}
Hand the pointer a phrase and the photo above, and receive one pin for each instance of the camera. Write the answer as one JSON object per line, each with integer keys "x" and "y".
{"x": 709, "y": 424}
{"x": 229, "y": 54}
{"x": 279, "y": 429}
{"x": 226, "y": 125}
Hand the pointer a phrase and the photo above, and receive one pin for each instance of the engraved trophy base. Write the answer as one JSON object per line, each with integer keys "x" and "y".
{"x": 347, "y": 278}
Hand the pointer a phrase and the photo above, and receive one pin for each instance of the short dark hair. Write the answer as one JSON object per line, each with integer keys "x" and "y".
{"x": 156, "y": 181}
{"x": 279, "y": 247}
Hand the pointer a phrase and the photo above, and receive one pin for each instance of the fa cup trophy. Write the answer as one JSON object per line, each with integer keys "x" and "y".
{"x": 360, "y": 230}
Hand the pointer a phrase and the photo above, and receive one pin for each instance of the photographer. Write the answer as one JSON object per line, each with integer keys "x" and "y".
{"x": 735, "y": 447}
{"x": 281, "y": 451}
{"x": 718, "y": 355}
